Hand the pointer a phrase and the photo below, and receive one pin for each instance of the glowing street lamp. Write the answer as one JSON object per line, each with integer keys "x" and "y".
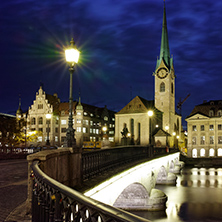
{"x": 48, "y": 117}
{"x": 150, "y": 114}
{"x": 72, "y": 57}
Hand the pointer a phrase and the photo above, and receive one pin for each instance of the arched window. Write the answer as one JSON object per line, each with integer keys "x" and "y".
{"x": 202, "y": 152}
{"x": 211, "y": 152}
{"x": 219, "y": 152}
{"x": 194, "y": 153}
{"x": 33, "y": 121}
{"x": 219, "y": 112}
{"x": 172, "y": 88}
{"x": 162, "y": 87}
{"x": 132, "y": 127}
{"x": 40, "y": 120}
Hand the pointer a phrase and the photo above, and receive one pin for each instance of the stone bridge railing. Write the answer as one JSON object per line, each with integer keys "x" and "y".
{"x": 51, "y": 172}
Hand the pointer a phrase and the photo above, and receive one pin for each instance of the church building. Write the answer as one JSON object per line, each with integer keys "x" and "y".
{"x": 163, "y": 127}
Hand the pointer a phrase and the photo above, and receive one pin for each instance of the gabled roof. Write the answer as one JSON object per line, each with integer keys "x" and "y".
{"x": 205, "y": 107}
{"x": 90, "y": 109}
{"x": 138, "y": 105}
{"x": 54, "y": 101}
{"x": 161, "y": 132}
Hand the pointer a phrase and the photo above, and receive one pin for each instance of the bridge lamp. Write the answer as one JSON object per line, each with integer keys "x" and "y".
{"x": 48, "y": 117}
{"x": 150, "y": 114}
{"x": 72, "y": 57}
{"x": 104, "y": 129}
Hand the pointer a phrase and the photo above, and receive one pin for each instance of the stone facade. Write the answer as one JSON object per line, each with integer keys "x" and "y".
{"x": 204, "y": 126}
{"x": 135, "y": 118}
{"x": 88, "y": 121}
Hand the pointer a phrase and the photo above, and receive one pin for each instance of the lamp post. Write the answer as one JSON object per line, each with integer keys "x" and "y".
{"x": 150, "y": 114}
{"x": 48, "y": 117}
{"x": 72, "y": 57}
{"x": 104, "y": 129}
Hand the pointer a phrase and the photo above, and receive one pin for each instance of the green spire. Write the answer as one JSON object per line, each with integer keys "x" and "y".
{"x": 164, "y": 49}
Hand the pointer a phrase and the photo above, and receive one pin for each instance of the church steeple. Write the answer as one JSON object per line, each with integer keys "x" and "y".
{"x": 164, "y": 48}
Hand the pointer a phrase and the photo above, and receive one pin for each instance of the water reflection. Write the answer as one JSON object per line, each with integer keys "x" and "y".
{"x": 197, "y": 196}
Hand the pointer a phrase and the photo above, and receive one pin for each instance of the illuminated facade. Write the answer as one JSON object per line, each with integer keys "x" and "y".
{"x": 204, "y": 126}
{"x": 88, "y": 121}
{"x": 164, "y": 102}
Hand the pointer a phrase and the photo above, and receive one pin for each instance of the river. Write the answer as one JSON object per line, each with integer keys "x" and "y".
{"x": 196, "y": 197}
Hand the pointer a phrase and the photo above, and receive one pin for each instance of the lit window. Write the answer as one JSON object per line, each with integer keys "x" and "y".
{"x": 63, "y": 121}
{"x": 211, "y": 152}
{"x": 90, "y": 130}
{"x": 85, "y": 113}
{"x": 56, "y": 138}
{"x": 202, "y": 140}
{"x": 202, "y": 152}
{"x": 40, "y": 139}
{"x": 97, "y": 131}
{"x": 78, "y": 113}
{"x": 91, "y": 123}
{"x": 78, "y": 129}
{"x": 91, "y": 114}
{"x": 211, "y": 127}
{"x": 194, "y": 153}
{"x": 78, "y": 120}
{"x": 219, "y": 152}
{"x": 111, "y": 139}
{"x": 84, "y": 129}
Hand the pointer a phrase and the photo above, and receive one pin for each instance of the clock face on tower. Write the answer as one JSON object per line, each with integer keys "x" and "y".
{"x": 162, "y": 73}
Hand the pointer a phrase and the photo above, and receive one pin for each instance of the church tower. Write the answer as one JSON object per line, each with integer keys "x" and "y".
{"x": 165, "y": 81}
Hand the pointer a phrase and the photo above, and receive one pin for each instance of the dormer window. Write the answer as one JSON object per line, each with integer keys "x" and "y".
{"x": 219, "y": 112}
{"x": 211, "y": 113}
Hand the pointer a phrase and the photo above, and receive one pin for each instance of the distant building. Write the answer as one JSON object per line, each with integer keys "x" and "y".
{"x": 88, "y": 121}
{"x": 134, "y": 115}
{"x": 204, "y": 126}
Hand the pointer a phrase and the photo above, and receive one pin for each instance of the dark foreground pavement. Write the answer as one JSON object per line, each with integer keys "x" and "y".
{"x": 13, "y": 190}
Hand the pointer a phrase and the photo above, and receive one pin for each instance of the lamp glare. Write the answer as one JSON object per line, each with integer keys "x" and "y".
{"x": 72, "y": 55}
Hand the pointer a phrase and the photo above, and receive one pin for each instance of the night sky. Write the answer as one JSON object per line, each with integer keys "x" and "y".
{"x": 119, "y": 42}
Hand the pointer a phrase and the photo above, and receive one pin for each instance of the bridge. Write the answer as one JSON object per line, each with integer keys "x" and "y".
{"x": 53, "y": 173}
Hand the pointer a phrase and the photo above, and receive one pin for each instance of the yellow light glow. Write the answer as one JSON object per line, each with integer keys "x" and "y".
{"x": 48, "y": 116}
{"x": 150, "y": 113}
{"x": 104, "y": 129}
{"x": 128, "y": 134}
{"x": 72, "y": 55}
{"x": 174, "y": 133}
{"x": 178, "y": 137}
{"x": 166, "y": 127}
